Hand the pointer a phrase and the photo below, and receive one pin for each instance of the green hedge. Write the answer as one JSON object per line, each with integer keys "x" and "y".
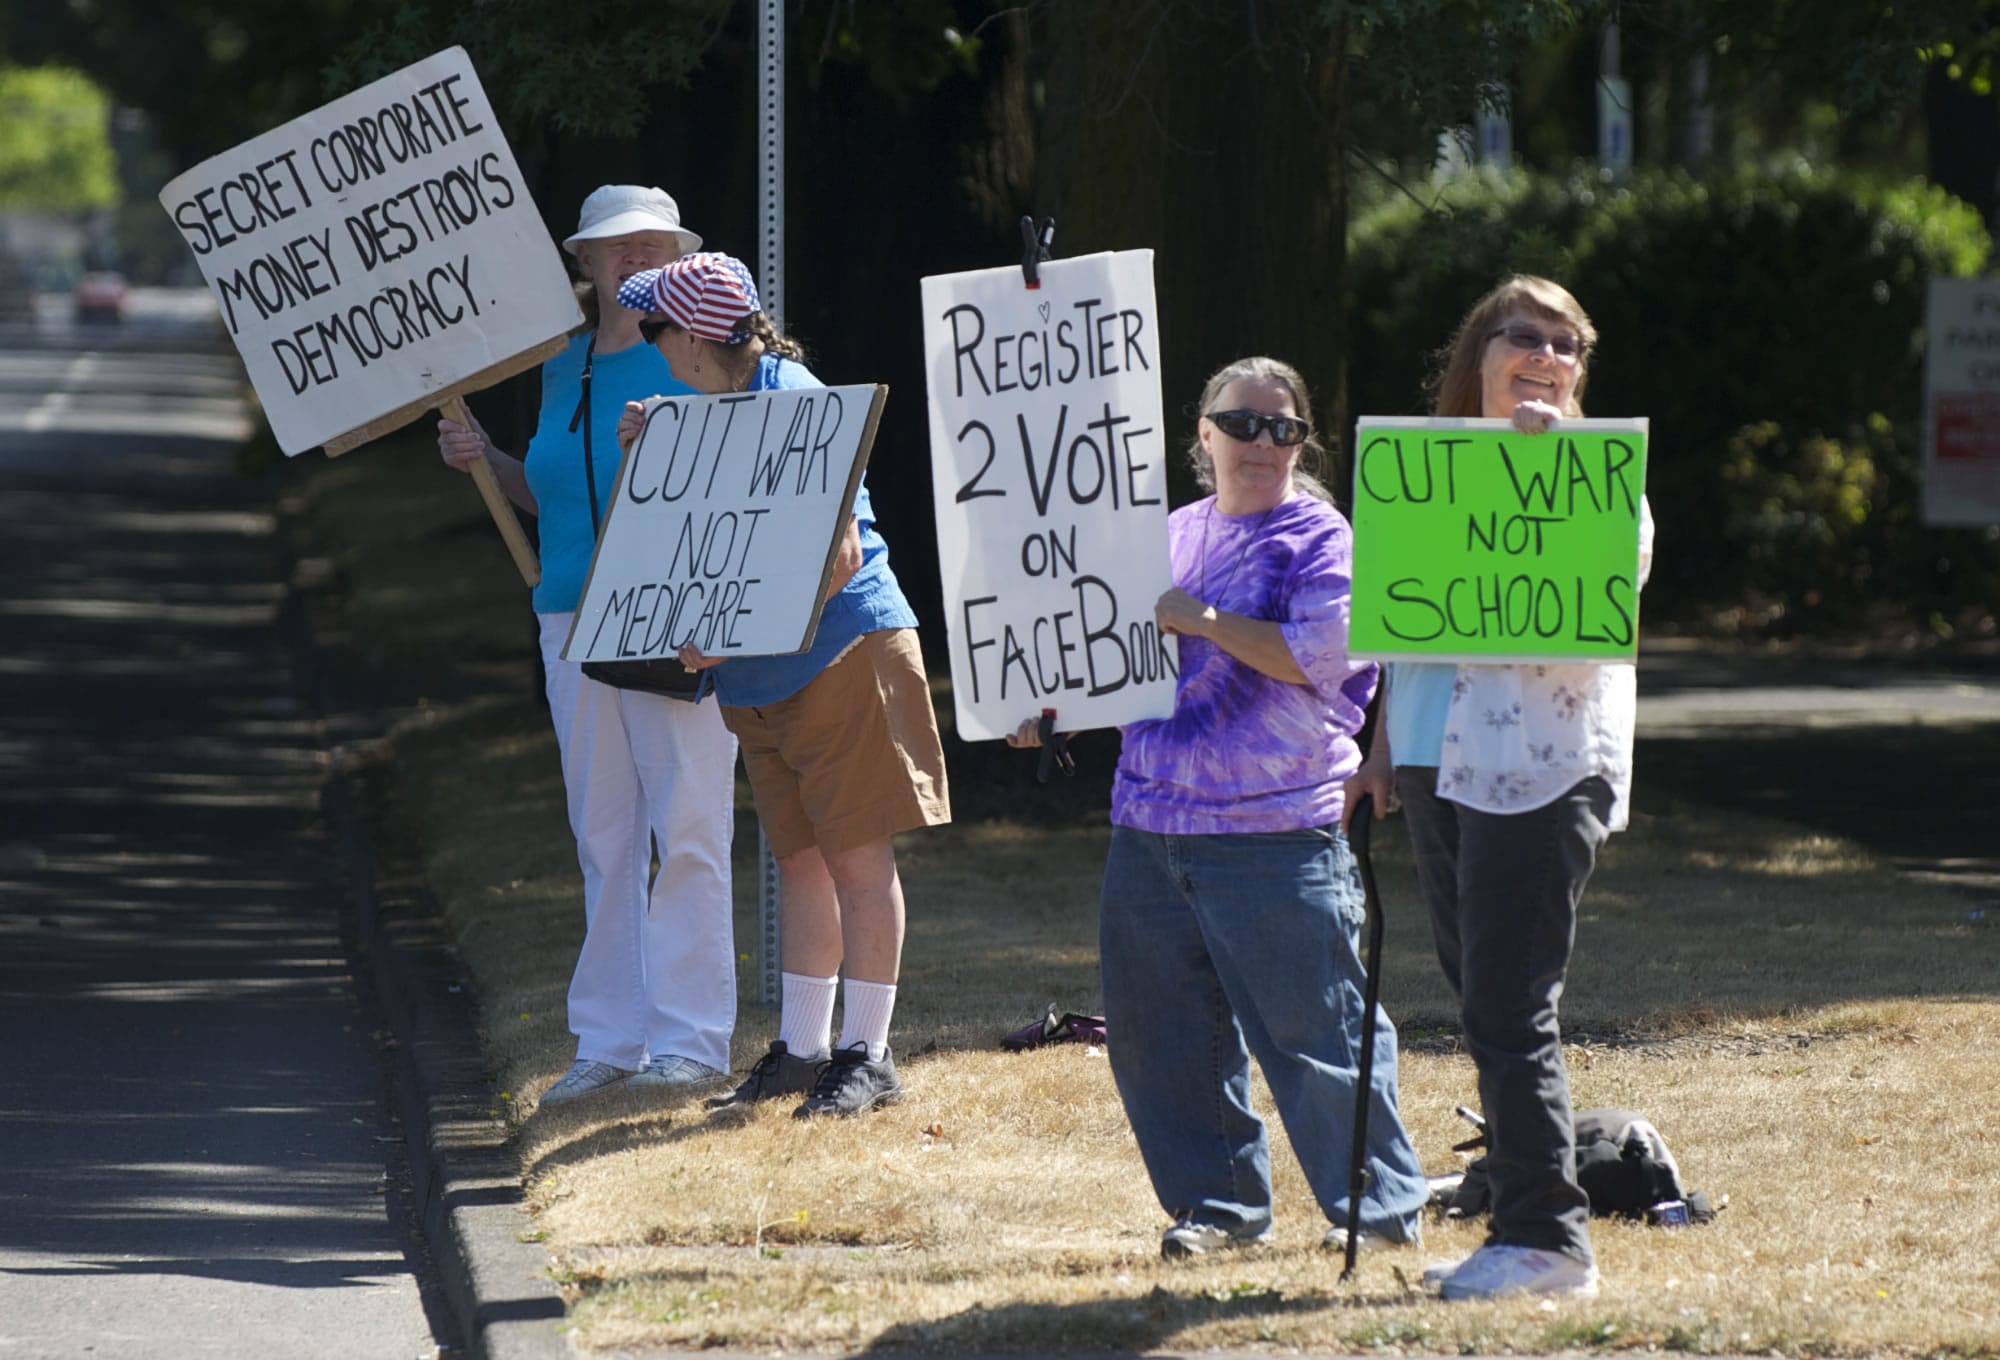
{"x": 1770, "y": 325}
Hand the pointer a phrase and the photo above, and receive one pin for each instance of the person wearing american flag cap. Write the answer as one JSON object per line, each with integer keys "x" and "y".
{"x": 652, "y": 1001}
{"x": 840, "y": 741}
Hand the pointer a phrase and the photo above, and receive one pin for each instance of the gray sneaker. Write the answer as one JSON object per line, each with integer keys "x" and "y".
{"x": 670, "y": 1071}
{"x": 1336, "y": 1240}
{"x": 583, "y": 1078}
{"x": 849, "y": 1084}
{"x": 778, "y": 1073}
{"x": 1188, "y": 1238}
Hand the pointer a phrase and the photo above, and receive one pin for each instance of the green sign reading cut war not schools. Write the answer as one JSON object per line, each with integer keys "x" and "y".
{"x": 1475, "y": 542}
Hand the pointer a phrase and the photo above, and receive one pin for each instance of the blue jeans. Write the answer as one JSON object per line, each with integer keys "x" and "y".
{"x": 1212, "y": 943}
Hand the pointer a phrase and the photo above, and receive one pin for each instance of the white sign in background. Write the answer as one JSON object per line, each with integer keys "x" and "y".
{"x": 1962, "y": 402}
{"x": 1048, "y": 462}
{"x": 373, "y": 253}
{"x": 724, "y": 524}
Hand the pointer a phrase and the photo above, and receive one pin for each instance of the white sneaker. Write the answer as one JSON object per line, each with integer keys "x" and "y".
{"x": 669, "y": 1070}
{"x": 584, "y": 1076}
{"x": 1495, "y": 1271}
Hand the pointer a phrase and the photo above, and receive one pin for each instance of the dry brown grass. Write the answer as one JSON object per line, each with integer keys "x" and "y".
{"x": 1814, "y": 1034}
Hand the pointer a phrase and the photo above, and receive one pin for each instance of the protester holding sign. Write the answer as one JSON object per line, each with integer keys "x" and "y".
{"x": 1232, "y": 904}
{"x": 653, "y": 998}
{"x": 1513, "y": 775}
{"x": 839, "y": 740}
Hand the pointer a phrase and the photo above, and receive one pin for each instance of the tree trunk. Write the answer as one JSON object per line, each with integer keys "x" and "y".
{"x": 1211, "y": 131}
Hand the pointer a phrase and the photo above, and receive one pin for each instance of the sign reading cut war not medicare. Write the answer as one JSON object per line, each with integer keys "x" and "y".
{"x": 376, "y": 256}
{"x": 1474, "y": 542}
{"x": 724, "y": 524}
{"x": 1048, "y": 470}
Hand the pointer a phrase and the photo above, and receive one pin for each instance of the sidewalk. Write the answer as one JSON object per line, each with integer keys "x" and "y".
{"x": 200, "y": 1157}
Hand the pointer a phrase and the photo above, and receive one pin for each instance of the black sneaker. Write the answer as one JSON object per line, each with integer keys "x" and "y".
{"x": 849, "y": 1084}
{"x": 778, "y": 1073}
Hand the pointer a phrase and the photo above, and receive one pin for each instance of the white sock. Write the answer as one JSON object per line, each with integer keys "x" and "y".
{"x": 864, "y": 1016}
{"x": 805, "y": 1022}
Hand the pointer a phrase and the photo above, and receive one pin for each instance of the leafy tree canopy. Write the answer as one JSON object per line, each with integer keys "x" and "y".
{"x": 55, "y": 147}
{"x": 587, "y": 70}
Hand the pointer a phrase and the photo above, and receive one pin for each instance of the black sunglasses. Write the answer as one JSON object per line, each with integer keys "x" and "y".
{"x": 651, "y": 331}
{"x": 1246, "y": 425}
{"x": 1565, "y": 345}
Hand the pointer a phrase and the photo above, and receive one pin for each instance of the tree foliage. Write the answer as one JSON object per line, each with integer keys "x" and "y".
{"x": 1869, "y": 56}
{"x": 55, "y": 147}
{"x": 590, "y": 71}
{"x": 1439, "y": 59}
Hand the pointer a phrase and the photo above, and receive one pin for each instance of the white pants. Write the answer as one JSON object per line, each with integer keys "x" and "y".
{"x": 657, "y": 972}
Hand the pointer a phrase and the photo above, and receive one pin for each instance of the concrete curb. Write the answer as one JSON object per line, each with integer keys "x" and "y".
{"x": 463, "y": 1168}
{"x": 465, "y": 1174}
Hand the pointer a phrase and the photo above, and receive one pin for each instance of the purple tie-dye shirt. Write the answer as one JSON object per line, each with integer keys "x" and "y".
{"x": 1244, "y": 752}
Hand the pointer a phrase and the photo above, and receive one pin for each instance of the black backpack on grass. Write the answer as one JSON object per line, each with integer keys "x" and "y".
{"x": 1622, "y": 1163}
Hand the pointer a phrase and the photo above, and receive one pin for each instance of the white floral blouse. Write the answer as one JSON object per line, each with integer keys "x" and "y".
{"x": 1519, "y": 737}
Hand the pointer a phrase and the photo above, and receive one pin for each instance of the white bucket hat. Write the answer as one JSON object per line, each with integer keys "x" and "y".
{"x": 621, "y": 209}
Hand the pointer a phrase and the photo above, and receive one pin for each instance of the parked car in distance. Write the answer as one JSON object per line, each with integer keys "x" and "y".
{"x": 100, "y": 297}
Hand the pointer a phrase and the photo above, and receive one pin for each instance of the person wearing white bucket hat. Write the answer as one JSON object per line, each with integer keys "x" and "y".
{"x": 652, "y": 1001}
{"x": 624, "y": 209}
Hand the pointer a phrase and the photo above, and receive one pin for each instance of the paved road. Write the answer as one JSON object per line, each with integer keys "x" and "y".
{"x": 198, "y": 1159}
{"x": 1902, "y": 757}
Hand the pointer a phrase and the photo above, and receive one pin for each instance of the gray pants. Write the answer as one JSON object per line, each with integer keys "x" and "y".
{"x": 1502, "y": 889}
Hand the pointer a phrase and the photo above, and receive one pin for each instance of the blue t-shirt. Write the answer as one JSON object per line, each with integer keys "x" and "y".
{"x": 555, "y": 454}
{"x": 868, "y": 603}
{"x": 1419, "y": 702}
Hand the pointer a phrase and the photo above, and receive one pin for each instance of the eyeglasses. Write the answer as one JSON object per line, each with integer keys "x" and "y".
{"x": 1564, "y": 345}
{"x": 1247, "y": 425}
{"x": 651, "y": 331}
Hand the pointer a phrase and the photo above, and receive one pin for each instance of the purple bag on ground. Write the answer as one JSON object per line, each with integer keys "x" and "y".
{"x": 1065, "y": 1028}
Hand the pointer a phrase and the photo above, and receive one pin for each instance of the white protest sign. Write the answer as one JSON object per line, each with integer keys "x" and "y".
{"x": 1048, "y": 463}
{"x": 724, "y": 524}
{"x": 1962, "y": 402}
{"x": 376, "y": 255}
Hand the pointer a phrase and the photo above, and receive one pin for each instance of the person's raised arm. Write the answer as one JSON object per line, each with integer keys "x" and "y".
{"x": 1258, "y": 643}
{"x": 461, "y": 446}
{"x": 847, "y": 559}
{"x": 630, "y": 421}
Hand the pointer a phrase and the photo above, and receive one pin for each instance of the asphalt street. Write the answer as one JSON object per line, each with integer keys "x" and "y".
{"x": 199, "y": 1157}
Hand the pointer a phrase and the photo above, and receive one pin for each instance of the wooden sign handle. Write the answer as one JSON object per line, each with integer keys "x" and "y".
{"x": 497, "y": 504}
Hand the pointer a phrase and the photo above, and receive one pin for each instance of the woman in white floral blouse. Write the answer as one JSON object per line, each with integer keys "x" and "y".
{"x": 1512, "y": 777}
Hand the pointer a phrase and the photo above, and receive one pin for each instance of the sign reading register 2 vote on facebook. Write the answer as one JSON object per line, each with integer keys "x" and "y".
{"x": 1474, "y": 542}
{"x": 374, "y": 255}
{"x": 1048, "y": 467}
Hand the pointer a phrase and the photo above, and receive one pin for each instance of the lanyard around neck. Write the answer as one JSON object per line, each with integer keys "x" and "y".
{"x": 583, "y": 415}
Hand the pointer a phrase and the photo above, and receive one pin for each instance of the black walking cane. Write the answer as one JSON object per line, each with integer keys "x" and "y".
{"x": 1358, "y": 826}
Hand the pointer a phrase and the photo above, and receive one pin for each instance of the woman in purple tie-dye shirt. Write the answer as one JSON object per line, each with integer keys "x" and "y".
{"x": 1231, "y": 905}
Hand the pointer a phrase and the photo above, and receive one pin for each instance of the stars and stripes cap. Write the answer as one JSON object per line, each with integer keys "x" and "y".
{"x": 707, "y": 294}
